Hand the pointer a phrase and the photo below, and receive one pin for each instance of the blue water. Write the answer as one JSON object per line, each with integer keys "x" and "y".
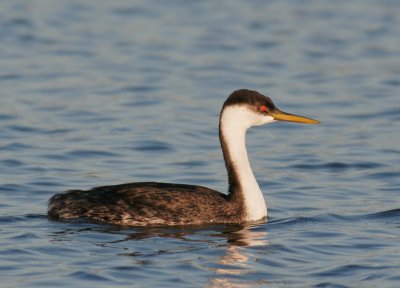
{"x": 108, "y": 92}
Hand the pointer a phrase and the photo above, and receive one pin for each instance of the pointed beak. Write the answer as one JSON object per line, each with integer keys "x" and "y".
{"x": 283, "y": 116}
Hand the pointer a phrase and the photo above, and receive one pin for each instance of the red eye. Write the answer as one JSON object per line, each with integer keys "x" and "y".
{"x": 263, "y": 108}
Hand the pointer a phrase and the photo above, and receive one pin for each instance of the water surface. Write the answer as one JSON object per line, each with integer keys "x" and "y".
{"x": 107, "y": 92}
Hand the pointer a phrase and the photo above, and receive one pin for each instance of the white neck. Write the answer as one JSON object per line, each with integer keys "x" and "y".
{"x": 234, "y": 122}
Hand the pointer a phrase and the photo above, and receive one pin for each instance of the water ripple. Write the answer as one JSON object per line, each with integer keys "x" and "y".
{"x": 336, "y": 218}
{"x": 339, "y": 166}
{"x": 79, "y": 154}
{"x": 92, "y": 276}
{"x": 152, "y": 145}
{"x": 16, "y": 146}
{"x": 394, "y": 213}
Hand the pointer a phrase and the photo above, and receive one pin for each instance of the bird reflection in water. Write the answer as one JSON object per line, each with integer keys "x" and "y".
{"x": 237, "y": 259}
{"x": 232, "y": 269}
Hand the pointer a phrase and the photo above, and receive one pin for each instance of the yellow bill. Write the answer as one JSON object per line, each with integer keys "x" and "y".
{"x": 283, "y": 116}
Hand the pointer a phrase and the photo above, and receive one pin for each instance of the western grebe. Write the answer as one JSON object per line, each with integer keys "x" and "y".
{"x": 153, "y": 203}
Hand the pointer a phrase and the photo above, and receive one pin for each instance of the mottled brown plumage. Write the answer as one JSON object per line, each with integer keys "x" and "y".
{"x": 146, "y": 203}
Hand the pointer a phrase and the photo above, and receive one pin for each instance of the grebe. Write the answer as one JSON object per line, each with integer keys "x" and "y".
{"x": 153, "y": 203}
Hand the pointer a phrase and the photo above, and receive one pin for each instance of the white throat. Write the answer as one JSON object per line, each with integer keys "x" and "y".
{"x": 235, "y": 120}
